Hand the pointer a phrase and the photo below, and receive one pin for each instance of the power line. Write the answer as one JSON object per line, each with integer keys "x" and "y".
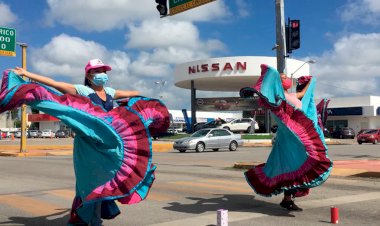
{"x": 357, "y": 91}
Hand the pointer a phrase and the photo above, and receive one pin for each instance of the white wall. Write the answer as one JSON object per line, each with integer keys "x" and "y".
{"x": 53, "y": 125}
{"x": 203, "y": 116}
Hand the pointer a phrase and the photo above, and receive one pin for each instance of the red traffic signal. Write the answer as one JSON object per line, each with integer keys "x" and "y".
{"x": 293, "y": 37}
{"x": 295, "y": 24}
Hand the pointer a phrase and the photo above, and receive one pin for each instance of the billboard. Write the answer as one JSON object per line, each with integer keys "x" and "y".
{"x": 227, "y": 104}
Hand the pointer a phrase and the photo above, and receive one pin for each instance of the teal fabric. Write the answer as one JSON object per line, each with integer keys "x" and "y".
{"x": 271, "y": 87}
{"x": 278, "y": 156}
{"x": 92, "y": 136}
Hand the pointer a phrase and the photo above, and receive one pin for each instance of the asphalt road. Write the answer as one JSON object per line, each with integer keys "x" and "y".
{"x": 190, "y": 187}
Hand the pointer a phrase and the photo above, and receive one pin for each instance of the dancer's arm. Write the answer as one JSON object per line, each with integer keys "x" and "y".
{"x": 60, "y": 86}
{"x": 119, "y": 94}
{"x": 303, "y": 91}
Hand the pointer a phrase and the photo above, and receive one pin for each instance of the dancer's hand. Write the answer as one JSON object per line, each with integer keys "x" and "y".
{"x": 20, "y": 71}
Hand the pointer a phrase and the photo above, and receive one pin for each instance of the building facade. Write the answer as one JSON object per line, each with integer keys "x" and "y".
{"x": 361, "y": 112}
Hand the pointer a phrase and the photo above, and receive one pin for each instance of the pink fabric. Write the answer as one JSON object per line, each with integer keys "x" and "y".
{"x": 292, "y": 98}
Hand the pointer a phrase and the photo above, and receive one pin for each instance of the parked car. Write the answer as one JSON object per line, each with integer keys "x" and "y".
{"x": 198, "y": 126}
{"x": 211, "y": 124}
{"x": 326, "y": 133}
{"x": 8, "y": 134}
{"x": 369, "y": 136}
{"x": 344, "y": 132}
{"x": 62, "y": 134}
{"x": 361, "y": 131}
{"x": 241, "y": 125}
{"x": 34, "y": 134}
{"x": 173, "y": 131}
{"x": 214, "y": 139}
{"x": 18, "y": 134}
{"x": 273, "y": 129}
{"x": 47, "y": 133}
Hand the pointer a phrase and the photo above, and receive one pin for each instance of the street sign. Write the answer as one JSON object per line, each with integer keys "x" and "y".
{"x": 178, "y": 6}
{"x": 7, "y": 41}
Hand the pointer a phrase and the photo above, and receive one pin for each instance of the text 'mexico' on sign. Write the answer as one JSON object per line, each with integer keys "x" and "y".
{"x": 7, "y": 41}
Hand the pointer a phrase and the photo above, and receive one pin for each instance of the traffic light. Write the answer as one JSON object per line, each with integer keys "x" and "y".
{"x": 162, "y": 7}
{"x": 293, "y": 38}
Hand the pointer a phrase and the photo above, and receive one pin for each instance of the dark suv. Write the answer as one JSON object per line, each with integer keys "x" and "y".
{"x": 62, "y": 134}
{"x": 210, "y": 125}
{"x": 344, "y": 132}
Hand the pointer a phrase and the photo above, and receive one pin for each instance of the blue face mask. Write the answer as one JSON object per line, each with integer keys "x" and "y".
{"x": 100, "y": 79}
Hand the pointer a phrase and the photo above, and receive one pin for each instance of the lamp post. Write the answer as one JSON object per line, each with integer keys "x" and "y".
{"x": 291, "y": 75}
{"x": 161, "y": 83}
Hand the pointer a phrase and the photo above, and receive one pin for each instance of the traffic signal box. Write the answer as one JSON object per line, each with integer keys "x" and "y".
{"x": 162, "y": 7}
{"x": 293, "y": 40}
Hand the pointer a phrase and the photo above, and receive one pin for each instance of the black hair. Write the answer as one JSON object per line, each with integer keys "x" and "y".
{"x": 87, "y": 82}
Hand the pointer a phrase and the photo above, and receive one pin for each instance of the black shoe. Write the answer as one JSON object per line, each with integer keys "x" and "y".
{"x": 290, "y": 205}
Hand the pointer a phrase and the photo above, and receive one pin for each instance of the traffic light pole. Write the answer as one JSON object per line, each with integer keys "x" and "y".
{"x": 280, "y": 37}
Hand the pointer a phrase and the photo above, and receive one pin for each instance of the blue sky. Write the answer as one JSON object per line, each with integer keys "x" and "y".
{"x": 343, "y": 37}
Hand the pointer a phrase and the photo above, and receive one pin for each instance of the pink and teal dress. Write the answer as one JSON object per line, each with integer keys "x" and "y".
{"x": 299, "y": 158}
{"x": 112, "y": 149}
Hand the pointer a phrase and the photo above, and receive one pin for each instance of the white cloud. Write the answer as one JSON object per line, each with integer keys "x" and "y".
{"x": 146, "y": 67}
{"x": 340, "y": 72}
{"x": 242, "y": 8}
{"x": 65, "y": 57}
{"x": 177, "y": 55}
{"x": 7, "y": 17}
{"x": 98, "y": 15}
{"x": 365, "y": 11}
{"x": 156, "y": 44}
{"x": 163, "y": 33}
{"x": 173, "y": 41}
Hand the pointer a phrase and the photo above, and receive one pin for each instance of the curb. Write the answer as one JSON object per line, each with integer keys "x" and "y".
{"x": 64, "y": 150}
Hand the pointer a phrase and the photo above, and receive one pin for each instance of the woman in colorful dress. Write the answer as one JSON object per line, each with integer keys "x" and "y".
{"x": 112, "y": 146}
{"x": 298, "y": 160}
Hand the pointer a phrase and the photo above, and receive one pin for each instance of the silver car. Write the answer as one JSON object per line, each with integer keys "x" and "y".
{"x": 209, "y": 139}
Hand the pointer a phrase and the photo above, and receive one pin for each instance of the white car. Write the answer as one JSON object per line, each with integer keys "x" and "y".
{"x": 18, "y": 134}
{"x": 241, "y": 125}
{"x": 47, "y": 133}
{"x": 175, "y": 131}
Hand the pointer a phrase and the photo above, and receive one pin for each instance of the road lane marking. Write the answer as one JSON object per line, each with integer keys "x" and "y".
{"x": 233, "y": 216}
{"x": 311, "y": 204}
{"x": 228, "y": 182}
{"x": 30, "y": 205}
{"x": 63, "y": 193}
{"x": 214, "y": 186}
{"x": 159, "y": 196}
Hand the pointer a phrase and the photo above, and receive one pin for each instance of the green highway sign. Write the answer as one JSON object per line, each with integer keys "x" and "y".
{"x": 178, "y": 6}
{"x": 7, "y": 41}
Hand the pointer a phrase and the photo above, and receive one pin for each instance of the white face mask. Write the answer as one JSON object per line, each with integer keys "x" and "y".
{"x": 100, "y": 79}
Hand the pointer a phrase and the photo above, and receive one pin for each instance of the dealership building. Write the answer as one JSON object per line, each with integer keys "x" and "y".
{"x": 230, "y": 74}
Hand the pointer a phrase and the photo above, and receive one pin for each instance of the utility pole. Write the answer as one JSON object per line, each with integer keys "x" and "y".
{"x": 280, "y": 37}
{"x": 23, "y": 107}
